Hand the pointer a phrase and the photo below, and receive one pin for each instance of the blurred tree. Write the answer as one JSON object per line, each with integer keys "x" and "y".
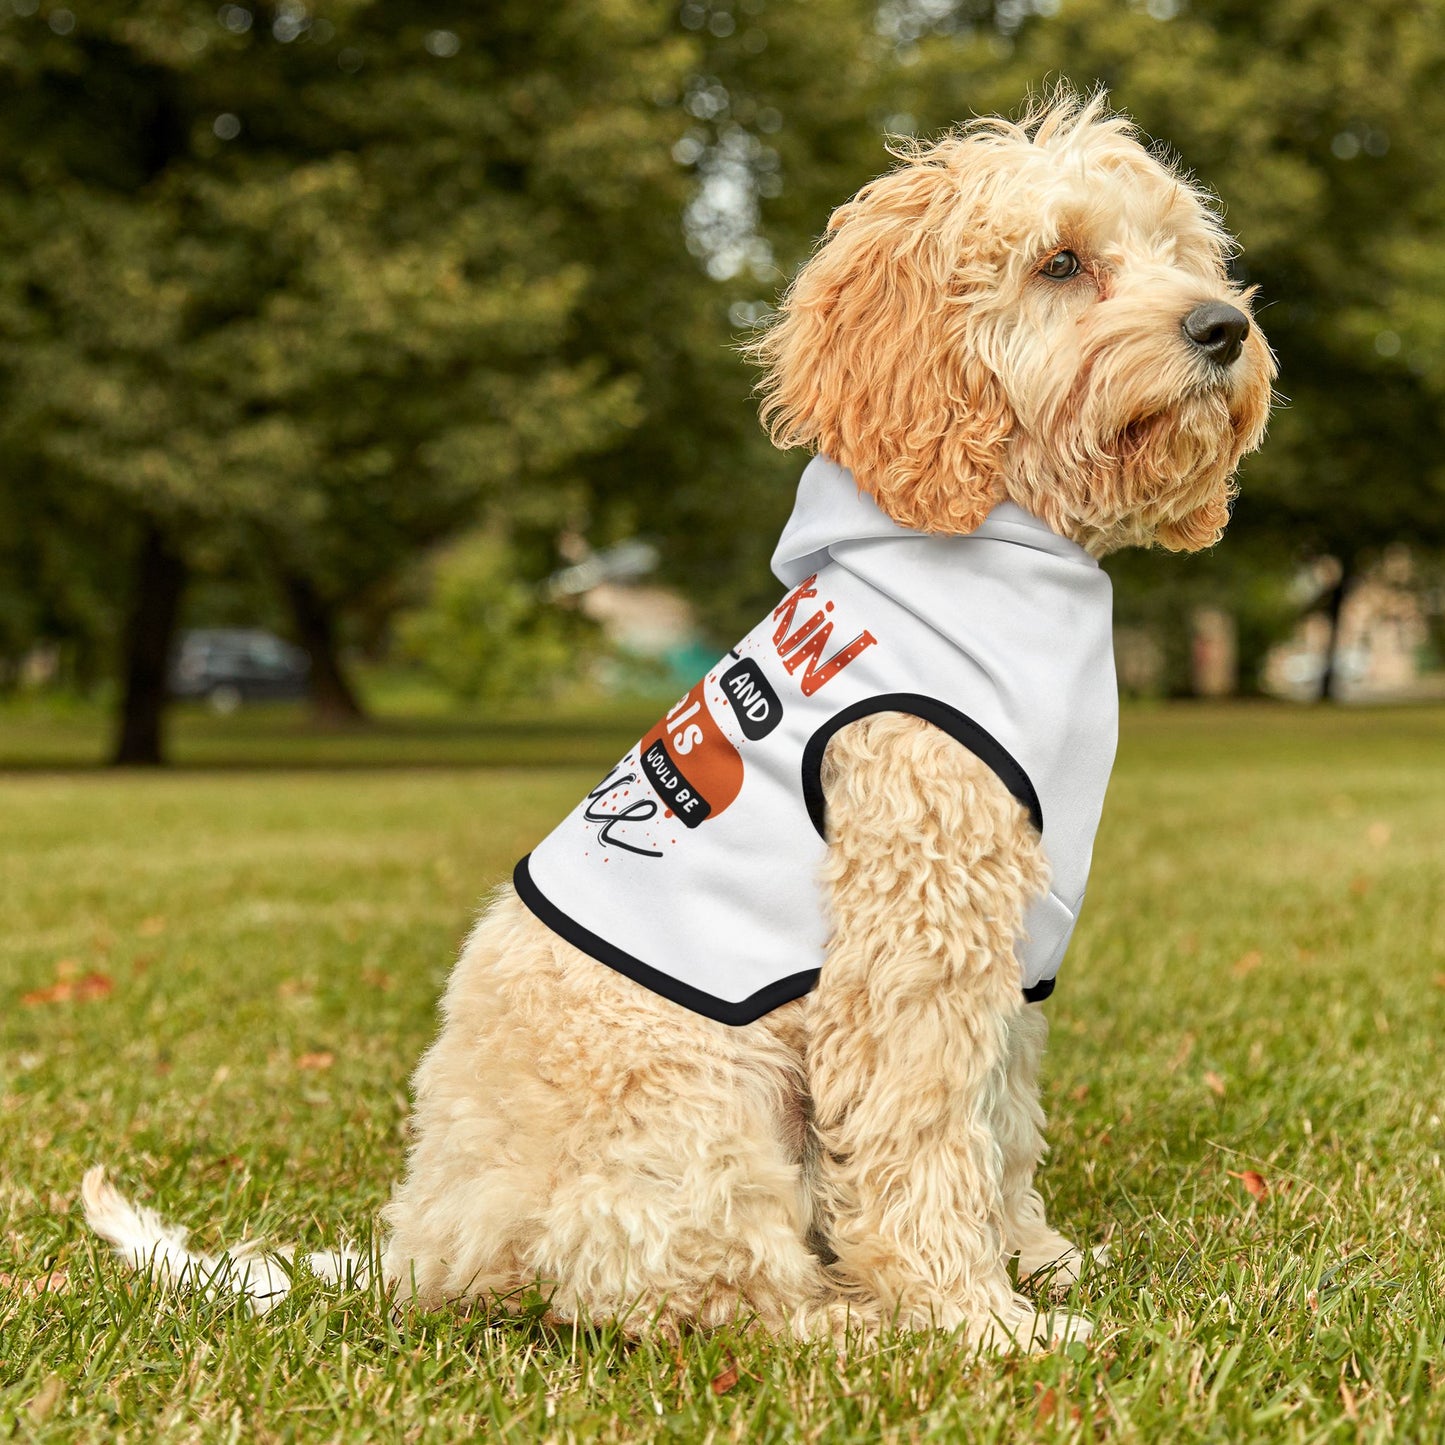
{"x": 293, "y": 281}
{"x": 59, "y": 572}
{"x": 324, "y": 285}
{"x": 783, "y": 107}
{"x": 328, "y": 284}
{"x": 486, "y": 633}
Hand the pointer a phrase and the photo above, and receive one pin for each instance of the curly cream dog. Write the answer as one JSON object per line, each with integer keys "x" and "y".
{"x": 1036, "y": 313}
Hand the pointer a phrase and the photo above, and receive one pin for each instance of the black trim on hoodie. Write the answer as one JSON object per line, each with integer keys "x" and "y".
{"x": 979, "y": 741}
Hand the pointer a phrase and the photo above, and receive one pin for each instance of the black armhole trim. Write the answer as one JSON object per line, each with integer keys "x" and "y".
{"x": 744, "y": 1011}
{"x": 977, "y": 740}
{"x": 1040, "y": 991}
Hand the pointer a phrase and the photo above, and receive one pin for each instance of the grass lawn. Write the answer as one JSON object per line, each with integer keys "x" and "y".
{"x": 216, "y": 980}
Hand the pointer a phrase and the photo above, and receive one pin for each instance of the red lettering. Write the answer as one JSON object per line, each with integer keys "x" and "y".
{"x": 806, "y": 630}
{"x": 784, "y": 612}
{"x": 818, "y": 673}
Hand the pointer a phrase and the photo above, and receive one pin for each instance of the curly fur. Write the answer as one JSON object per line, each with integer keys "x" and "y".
{"x": 865, "y": 1155}
{"x": 644, "y": 1163}
{"x": 921, "y": 348}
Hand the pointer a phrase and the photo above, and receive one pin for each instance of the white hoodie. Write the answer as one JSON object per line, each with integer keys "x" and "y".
{"x": 693, "y": 867}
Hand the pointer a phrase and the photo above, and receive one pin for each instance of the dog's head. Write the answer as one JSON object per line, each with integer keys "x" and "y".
{"x": 1036, "y": 310}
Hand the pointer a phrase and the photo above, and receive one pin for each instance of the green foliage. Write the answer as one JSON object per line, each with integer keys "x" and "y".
{"x": 316, "y": 289}
{"x": 1251, "y": 987}
{"x": 307, "y": 294}
{"x": 780, "y": 116}
{"x": 486, "y": 633}
{"x": 321, "y": 287}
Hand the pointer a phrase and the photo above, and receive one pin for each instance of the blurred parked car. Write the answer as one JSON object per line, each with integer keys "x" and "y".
{"x": 230, "y": 665}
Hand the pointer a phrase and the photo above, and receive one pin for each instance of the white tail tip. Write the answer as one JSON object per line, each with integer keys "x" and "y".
{"x": 148, "y": 1244}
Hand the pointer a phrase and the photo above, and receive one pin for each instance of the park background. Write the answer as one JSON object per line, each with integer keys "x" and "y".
{"x": 415, "y": 343}
{"x": 408, "y": 334}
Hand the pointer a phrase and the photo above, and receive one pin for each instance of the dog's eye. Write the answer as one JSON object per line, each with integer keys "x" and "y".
{"x": 1060, "y": 266}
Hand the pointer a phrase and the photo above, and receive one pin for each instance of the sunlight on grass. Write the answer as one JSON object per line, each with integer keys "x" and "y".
{"x": 217, "y": 981}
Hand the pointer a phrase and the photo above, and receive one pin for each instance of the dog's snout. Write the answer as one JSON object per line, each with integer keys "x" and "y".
{"x": 1218, "y": 330}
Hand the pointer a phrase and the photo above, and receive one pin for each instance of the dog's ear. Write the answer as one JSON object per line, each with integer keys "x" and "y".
{"x": 873, "y": 358}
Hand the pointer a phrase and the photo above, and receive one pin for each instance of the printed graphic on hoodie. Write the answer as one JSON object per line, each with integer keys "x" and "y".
{"x": 693, "y": 759}
{"x": 691, "y": 738}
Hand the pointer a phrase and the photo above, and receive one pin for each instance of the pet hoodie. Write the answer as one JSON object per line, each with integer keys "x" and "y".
{"x": 693, "y": 866}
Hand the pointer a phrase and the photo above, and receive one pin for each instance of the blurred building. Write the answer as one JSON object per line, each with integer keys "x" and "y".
{"x": 650, "y": 627}
{"x": 1382, "y": 652}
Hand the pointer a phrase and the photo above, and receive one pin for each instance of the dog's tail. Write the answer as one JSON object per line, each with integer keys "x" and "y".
{"x": 147, "y": 1243}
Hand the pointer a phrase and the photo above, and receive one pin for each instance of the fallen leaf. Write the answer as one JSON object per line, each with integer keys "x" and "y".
{"x": 1046, "y": 1408}
{"x": 1440, "y": 980}
{"x": 91, "y": 986}
{"x": 67, "y": 968}
{"x": 45, "y": 1399}
{"x": 322, "y": 1059}
{"x": 1181, "y": 1054}
{"x": 1080, "y": 1094}
{"x": 151, "y": 927}
{"x": 722, "y": 1383}
{"x": 1214, "y": 1083}
{"x": 1378, "y": 834}
{"x": 1360, "y": 885}
{"x": 56, "y": 1282}
{"x": 1254, "y": 1183}
{"x": 295, "y": 987}
{"x": 1247, "y": 963}
{"x": 377, "y": 978}
{"x": 56, "y": 993}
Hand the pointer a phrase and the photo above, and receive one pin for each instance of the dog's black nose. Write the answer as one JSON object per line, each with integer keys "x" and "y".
{"x": 1218, "y": 330}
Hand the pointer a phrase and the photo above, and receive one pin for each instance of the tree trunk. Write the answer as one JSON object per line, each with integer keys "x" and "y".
{"x": 333, "y": 699}
{"x": 1329, "y": 676}
{"x": 160, "y": 578}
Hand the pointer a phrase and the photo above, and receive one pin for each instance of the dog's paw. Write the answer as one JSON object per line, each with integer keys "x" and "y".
{"x": 1023, "y": 1326}
{"x": 1059, "y": 1328}
{"x": 1058, "y": 1270}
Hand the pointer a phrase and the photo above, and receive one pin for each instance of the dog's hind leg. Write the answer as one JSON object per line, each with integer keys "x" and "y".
{"x": 930, "y": 867}
{"x": 680, "y": 1199}
{"x": 577, "y": 1135}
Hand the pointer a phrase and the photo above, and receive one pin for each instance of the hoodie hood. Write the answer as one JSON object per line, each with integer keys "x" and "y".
{"x": 831, "y": 511}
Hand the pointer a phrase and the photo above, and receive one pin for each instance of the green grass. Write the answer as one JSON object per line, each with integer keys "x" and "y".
{"x": 1256, "y": 985}
{"x": 407, "y": 728}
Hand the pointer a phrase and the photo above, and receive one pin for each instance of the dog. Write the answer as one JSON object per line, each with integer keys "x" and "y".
{"x": 1023, "y": 336}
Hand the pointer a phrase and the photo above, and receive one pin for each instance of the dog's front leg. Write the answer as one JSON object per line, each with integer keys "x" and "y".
{"x": 1042, "y": 1251}
{"x": 931, "y": 863}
